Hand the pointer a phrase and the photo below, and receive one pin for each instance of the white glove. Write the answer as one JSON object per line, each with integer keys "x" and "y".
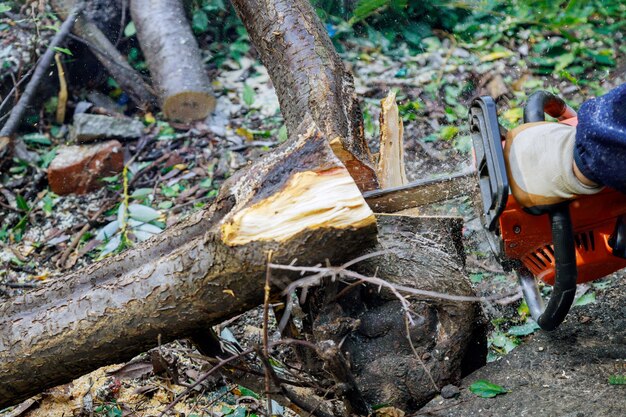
{"x": 540, "y": 164}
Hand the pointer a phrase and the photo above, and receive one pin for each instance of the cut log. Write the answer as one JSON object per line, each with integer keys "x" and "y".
{"x": 174, "y": 59}
{"x": 197, "y": 274}
{"x": 423, "y": 253}
{"x": 310, "y": 78}
{"x": 391, "y": 172}
{"x": 114, "y": 62}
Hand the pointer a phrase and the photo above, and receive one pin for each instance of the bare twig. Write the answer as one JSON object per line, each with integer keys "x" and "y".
{"x": 42, "y": 67}
{"x": 266, "y": 309}
{"x": 76, "y": 240}
{"x": 417, "y": 356}
{"x": 15, "y": 87}
{"x": 321, "y": 272}
{"x": 228, "y": 360}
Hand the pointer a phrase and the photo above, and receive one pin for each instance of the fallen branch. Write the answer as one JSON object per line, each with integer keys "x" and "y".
{"x": 114, "y": 62}
{"x": 333, "y": 272}
{"x": 41, "y": 69}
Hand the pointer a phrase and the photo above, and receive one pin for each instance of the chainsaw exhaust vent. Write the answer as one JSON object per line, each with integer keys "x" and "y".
{"x": 541, "y": 261}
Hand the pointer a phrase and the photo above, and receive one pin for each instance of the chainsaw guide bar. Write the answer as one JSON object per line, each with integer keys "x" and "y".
{"x": 421, "y": 192}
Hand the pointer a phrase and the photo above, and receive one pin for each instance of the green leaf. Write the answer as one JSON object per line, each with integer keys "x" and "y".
{"x": 130, "y": 29}
{"x": 63, "y": 50}
{"x": 448, "y": 132}
{"x": 476, "y": 278}
{"x": 248, "y": 392}
{"x": 48, "y": 203}
{"x": 200, "y": 21}
{"x": 248, "y": 95}
{"x": 525, "y": 329}
{"x": 141, "y": 192}
{"x": 206, "y": 183}
{"x": 4, "y": 8}
{"x": 37, "y": 138}
{"x": 463, "y": 144}
{"x": 282, "y": 134}
{"x": 46, "y": 158}
{"x": 486, "y": 389}
{"x": 563, "y": 61}
{"x": 164, "y": 205}
{"x": 143, "y": 213}
{"x": 114, "y": 178}
{"x": 504, "y": 343}
{"x": 585, "y": 299}
{"x": 21, "y": 203}
{"x": 366, "y": 8}
{"x": 240, "y": 412}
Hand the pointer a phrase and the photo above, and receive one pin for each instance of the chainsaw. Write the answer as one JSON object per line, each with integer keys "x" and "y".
{"x": 581, "y": 240}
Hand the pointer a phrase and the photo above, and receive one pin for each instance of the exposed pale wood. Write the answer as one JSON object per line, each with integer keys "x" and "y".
{"x": 390, "y": 170}
{"x": 174, "y": 59}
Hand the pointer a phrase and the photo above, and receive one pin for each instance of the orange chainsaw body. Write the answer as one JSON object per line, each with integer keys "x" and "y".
{"x": 528, "y": 238}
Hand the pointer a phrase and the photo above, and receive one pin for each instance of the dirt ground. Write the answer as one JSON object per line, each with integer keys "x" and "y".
{"x": 564, "y": 373}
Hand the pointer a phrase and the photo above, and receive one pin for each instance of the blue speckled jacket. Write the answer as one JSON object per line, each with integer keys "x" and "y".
{"x": 600, "y": 151}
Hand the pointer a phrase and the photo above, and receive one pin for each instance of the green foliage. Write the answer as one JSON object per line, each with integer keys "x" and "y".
{"x": 486, "y": 389}
{"x": 585, "y": 299}
{"x": 248, "y": 95}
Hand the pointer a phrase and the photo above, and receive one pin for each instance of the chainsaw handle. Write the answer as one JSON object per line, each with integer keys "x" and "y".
{"x": 541, "y": 102}
{"x": 564, "y": 289}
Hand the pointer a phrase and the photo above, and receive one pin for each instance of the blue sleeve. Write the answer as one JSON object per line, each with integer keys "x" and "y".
{"x": 600, "y": 151}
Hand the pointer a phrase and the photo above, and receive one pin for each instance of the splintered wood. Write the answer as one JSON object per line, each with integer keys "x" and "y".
{"x": 391, "y": 171}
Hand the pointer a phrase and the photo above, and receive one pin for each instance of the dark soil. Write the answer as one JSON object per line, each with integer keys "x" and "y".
{"x": 564, "y": 373}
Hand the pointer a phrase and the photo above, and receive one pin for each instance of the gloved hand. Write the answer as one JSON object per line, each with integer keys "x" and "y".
{"x": 540, "y": 165}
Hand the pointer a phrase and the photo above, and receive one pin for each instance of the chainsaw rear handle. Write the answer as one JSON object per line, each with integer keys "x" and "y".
{"x": 541, "y": 102}
{"x": 566, "y": 273}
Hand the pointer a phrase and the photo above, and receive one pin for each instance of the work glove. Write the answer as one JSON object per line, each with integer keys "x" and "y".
{"x": 540, "y": 165}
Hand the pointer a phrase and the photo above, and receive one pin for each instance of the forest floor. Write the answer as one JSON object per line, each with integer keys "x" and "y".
{"x": 177, "y": 169}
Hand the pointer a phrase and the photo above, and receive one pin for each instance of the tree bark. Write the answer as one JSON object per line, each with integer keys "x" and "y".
{"x": 197, "y": 274}
{"x": 309, "y": 77}
{"x": 174, "y": 59}
{"x": 424, "y": 253}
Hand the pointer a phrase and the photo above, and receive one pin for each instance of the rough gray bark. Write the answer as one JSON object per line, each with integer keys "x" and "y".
{"x": 309, "y": 77}
{"x": 173, "y": 58}
{"x": 424, "y": 253}
{"x": 176, "y": 283}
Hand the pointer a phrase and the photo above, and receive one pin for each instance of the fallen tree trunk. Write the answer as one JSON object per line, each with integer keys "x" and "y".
{"x": 299, "y": 202}
{"x": 174, "y": 59}
{"x": 185, "y": 279}
{"x": 447, "y": 338}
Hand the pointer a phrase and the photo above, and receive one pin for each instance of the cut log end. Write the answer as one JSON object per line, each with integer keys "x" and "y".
{"x": 188, "y": 106}
{"x": 310, "y": 200}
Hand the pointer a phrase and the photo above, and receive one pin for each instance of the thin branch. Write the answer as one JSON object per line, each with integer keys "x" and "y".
{"x": 321, "y": 272}
{"x": 40, "y": 70}
{"x": 266, "y": 309}
{"x": 15, "y": 87}
{"x": 417, "y": 356}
